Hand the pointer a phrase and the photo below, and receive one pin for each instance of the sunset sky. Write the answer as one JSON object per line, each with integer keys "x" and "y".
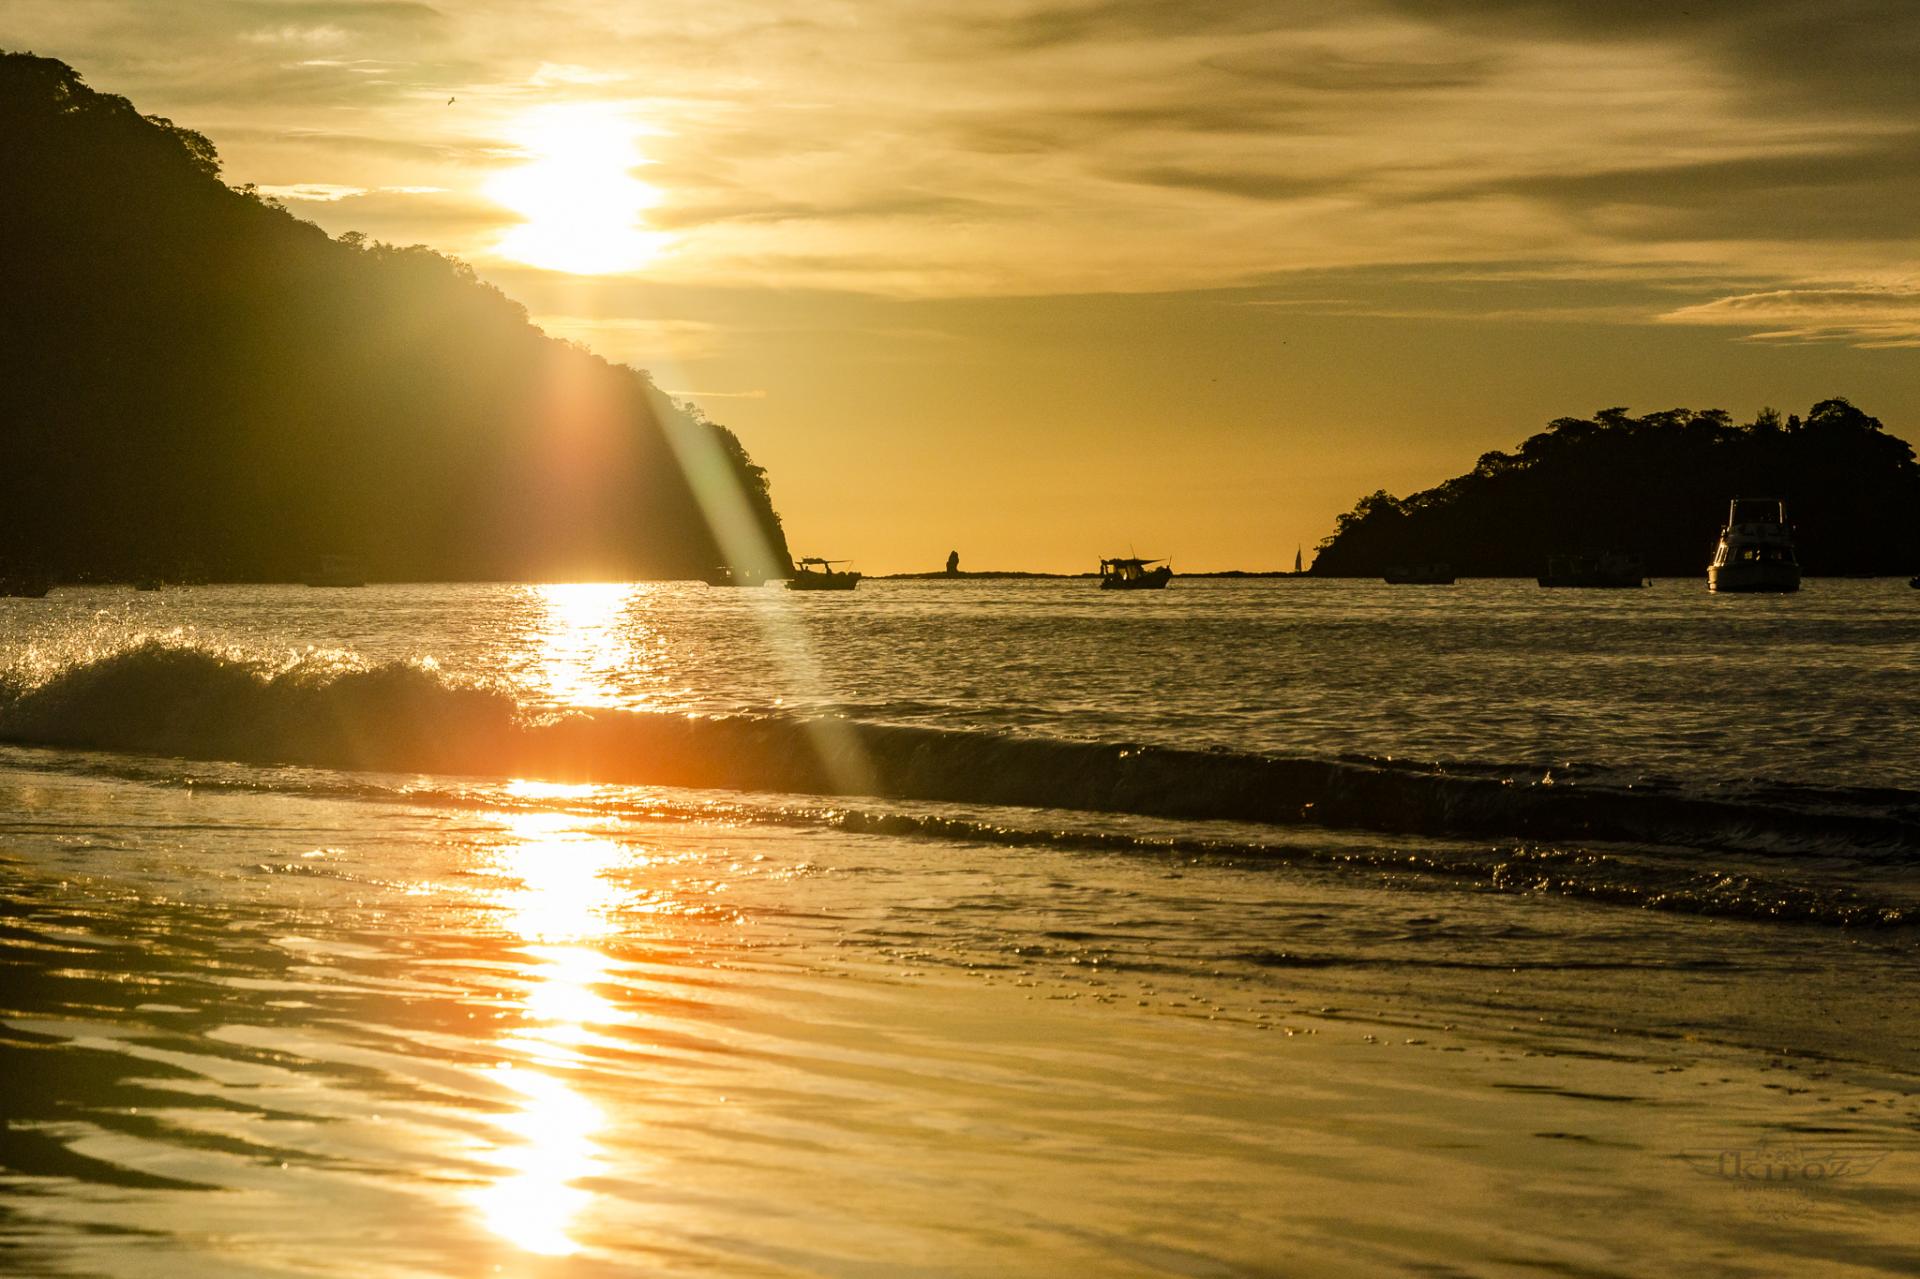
{"x": 1041, "y": 281}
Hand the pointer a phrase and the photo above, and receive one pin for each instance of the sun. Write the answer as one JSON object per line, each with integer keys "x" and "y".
{"x": 577, "y": 196}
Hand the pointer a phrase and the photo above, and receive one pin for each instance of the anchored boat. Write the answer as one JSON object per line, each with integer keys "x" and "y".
{"x": 1419, "y": 575}
{"x": 816, "y": 574}
{"x": 1756, "y": 549}
{"x": 727, "y": 575}
{"x": 1128, "y": 574}
{"x": 1610, "y": 569}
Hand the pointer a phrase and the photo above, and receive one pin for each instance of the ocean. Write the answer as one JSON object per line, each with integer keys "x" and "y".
{"x": 1252, "y": 927}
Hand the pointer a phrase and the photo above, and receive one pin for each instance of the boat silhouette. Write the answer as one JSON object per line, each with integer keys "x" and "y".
{"x": 1756, "y": 549}
{"x": 1419, "y": 575}
{"x": 1608, "y": 570}
{"x": 815, "y": 574}
{"x": 1127, "y": 573}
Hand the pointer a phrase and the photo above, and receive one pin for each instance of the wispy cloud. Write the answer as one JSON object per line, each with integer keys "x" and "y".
{"x": 333, "y": 192}
{"x": 1067, "y": 146}
{"x": 322, "y": 35}
{"x": 642, "y": 342}
{"x": 1876, "y": 317}
{"x": 312, "y": 192}
{"x": 556, "y": 73}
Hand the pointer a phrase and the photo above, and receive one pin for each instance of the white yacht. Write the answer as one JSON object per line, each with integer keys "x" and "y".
{"x": 1756, "y": 549}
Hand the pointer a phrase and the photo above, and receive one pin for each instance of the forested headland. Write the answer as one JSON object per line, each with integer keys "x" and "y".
{"x": 1656, "y": 486}
{"x": 194, "y": 380}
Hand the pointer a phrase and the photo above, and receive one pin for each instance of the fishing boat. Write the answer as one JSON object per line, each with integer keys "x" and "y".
{"x": 1419, "y": 575}
{"x": 1125, "y": 573}
{"x": 1607, "y": 570}
{"x": 815, "y": 574}
{"x": 1756, "y": 549}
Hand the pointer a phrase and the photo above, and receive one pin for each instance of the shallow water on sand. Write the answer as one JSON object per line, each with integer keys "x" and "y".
{"x": 263, "y": 1014}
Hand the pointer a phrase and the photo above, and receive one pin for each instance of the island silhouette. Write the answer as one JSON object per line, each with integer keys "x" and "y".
{"x": 195, "y": 383}
{"x": 1655, "y": 487}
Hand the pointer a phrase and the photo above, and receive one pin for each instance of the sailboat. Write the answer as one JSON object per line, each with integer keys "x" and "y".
{"x": 1297, "y": 570}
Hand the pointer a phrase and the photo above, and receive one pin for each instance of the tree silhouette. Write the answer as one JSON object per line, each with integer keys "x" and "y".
{"x": 190, "y": 376}
{"x": 1656, "y": 485}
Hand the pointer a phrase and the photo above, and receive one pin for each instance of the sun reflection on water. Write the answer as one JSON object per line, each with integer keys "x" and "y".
{"x": 535, "y": 1205}
{"x": 559, "y": 898}
{"x": 589, "y": 644}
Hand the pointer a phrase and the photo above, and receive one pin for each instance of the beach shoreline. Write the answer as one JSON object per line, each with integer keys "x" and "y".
{"x": 597, "y": 1043}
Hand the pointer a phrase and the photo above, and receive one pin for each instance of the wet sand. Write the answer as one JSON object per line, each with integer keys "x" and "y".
{"x": 255, "y": 1035}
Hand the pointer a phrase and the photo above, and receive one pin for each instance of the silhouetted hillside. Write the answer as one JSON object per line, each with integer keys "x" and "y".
{"x": 1657, "y": 485}
{"x": 190, "y": 376}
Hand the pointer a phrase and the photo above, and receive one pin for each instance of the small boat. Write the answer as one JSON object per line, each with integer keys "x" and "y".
{"x": 28, "y": 585}
{"x": 725, "y": 575}
{"x": 1419, "y": 575}
{"x": 1914, "y": 582}
{"x": 1126, "y": 573}
{"x": 1608, "y": 570}
{"x": 338, "y": 570}
{"x": 1297, "y": 570}
{"x": 815, "y": 574}
{"x": 1756, "y": 549}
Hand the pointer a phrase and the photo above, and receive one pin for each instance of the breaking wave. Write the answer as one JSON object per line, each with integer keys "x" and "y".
{"x": 170, "y": 698}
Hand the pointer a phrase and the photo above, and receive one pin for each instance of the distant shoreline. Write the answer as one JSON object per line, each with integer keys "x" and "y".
{"x": 992, "y": 574}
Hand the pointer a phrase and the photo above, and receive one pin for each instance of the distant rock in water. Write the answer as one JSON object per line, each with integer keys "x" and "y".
{"x": 1656, "y": 487}
{"x": 189, "y": 375}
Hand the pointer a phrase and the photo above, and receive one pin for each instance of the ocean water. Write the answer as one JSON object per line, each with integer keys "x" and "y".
{"x": 1261, "y": 927}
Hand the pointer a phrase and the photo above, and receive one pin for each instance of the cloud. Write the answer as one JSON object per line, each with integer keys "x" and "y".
{"x": 640, "y": 342}
{"x": 1835, "y": 56}
{"x": 555, "y": 73}
{"x": 1236, "y": 182}
{"x": 312, "y": 192}
{"x": 1850, "y": 190}
{"x": 1057, "y": 24}
{"x": 1864, "y": 317}
{"x": 1047, "y": 147}
{"x": 334, "y": 193}
{"x": 1333, "y": 70}
{"x": 325, "y": 34}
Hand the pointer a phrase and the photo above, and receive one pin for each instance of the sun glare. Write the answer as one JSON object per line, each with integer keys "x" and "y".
{"x": 587, "y": 644}
{"x": 578, "y": 197}
{"x": 558, "y": 898}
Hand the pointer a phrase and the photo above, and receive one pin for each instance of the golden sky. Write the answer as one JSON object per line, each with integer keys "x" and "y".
{"x": 1044, "y": 281}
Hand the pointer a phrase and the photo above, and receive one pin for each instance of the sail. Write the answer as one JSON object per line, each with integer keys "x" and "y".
{"x": 1296, "y": 559}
